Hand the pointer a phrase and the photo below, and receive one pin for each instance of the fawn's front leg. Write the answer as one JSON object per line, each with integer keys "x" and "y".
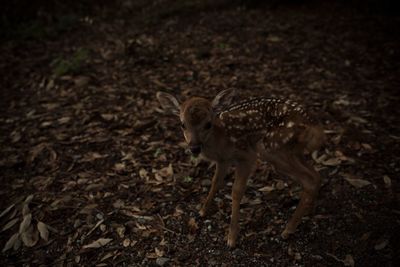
{"x": 242, "y": 173}
{"x": 221, "y": 171}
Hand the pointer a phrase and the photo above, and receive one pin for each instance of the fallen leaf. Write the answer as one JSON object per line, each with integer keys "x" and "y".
{"x": 273, "y": 39}
{"x": 10, "y": 243}
{"x": 159, "y": 252}
{"x": 348, "y": 260}
{"x": 25, "y": 210}
{"x": 192, "y": 225}
{"x": 118, "y": 204}
{"x": 35, "y": 151}
{"x": 121, "y": 231}
{"x": 126, "y": 242}
{"x": 4, "y": 212}
{"x": 167, "y": 171}
{"x": 280, "y": 185}
{"x": 10, "y": 224}
{"x": 366, "y": 146}
{"x": 107, "y": 256}
{"x": 98, "y": 243}
{"x": 358, "y": 183}
{"x": 143, "y": 173}
{"x": 266, "y": 189}
{"x": 25, "y": 223}
{"x": 43, "y": 231}
{"x": 30, "y": 237}
{"x": 381, "y": 244}
{"x": 357, "y": 119}
{"x": 28, "y": 199}
{"x": 64, "y": 120}
{"x": 331, "y": 162}
{"x": 120, "y": 167}
{"x": 386, "y": 180}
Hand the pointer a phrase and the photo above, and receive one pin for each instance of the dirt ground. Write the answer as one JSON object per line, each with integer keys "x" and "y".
{"x": 94, "y": 174}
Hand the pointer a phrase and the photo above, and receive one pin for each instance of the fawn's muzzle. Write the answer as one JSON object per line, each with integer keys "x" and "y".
{"x": 195, "y": 150}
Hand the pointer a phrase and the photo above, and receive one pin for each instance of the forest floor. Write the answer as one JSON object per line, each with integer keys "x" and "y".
{"x": 87, "y": 155}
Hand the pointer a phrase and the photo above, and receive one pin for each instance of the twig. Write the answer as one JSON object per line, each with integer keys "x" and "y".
{"x": 334, "y": 257}
{"x": 168, "y": 230}
{"x": 91, "y": 231}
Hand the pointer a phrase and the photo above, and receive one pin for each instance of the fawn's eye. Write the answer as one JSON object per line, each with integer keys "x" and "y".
{"x": 183, "y": 126}
{"x": 207, "y": 126}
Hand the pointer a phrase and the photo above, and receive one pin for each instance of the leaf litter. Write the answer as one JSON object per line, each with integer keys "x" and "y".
{"x": 105, "y": 164}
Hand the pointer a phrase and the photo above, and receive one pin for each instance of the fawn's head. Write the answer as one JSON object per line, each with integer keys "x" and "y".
{"x": 197, "y": 115}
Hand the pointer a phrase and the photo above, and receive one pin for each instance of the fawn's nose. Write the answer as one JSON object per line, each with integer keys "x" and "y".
{"x": 195, "y": 150}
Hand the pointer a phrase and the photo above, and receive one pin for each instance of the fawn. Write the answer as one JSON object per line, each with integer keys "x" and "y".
{"x": 274, "y": 130}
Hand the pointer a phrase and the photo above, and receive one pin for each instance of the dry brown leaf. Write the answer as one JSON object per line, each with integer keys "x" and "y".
{"x": 4, "y": 212}
{"x": 274, "y": 39}
{"x": 366, "y": 146}
{"x": 381, "y": 244}
{"x": 120, "y": 167}
{"x": 151, "y": 255}
{"x": 386, "y": 180}
{"x": 98, "y": 243}
{"x": 280, "y": 185}
{"x": 358, "y": 183}
{"x": 28, "y": 199}
{"x": 256, "y": 201}
{"x": 94, "y": 187}
{"x": 26, "y": 222}
{"x": 349, "y": 261}
{"x": 126, "y": 242}
{"x": 30, "y": 237}
{"x": 107, "y": 256}
{"x": 10, "y": 243}
{"x": 166, "y": 172}
{"x": 267, "y": 188}
{"x": 118, "y": 204}
{"x": 192, "y": 225}
{"x": 331, "y": 162}
{"x": 44, "y": 232}
{"x": 121, "y": 231}
{"x": 81, "y": 81}
{"x": 159, "y": 252}
{"x": 64, "y": 120}
{"x": 35, "y": 151}
{"x": 107, "y": 117}
{"x": 10, "y": 224}
{"x": 88, "y": 209}
{"x": 357, "y": 119}
{"x": 25, "y": 210}
{"x": 17, "y": 244}
{"x": 91, "y": 156}
{"x": 143, "y": 173}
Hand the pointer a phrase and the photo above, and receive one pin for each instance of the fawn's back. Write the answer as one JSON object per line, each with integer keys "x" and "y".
{"x": 272, "y": 123}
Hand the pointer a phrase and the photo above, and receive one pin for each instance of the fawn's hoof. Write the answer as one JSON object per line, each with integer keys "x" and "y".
{"x": 203, "y": 212}
{"x": 231, "y": 242}
{"x": 286, "y": 233}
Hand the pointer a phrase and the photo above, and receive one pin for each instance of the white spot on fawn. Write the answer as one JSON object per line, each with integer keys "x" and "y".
{"x": 290, "y": 124}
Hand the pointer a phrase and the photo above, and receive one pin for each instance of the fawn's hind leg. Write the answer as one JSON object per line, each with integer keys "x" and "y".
{"x": 292, "y": 166}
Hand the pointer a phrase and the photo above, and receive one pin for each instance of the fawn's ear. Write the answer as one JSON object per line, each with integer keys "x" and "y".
{"x": 168, "y": 103}
{"x": 223, "y": 99}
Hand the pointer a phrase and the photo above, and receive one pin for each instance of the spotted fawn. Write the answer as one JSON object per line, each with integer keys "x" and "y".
{"x": 274, "y": 130}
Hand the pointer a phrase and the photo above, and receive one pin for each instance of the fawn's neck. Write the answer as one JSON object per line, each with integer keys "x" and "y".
{"x": 216, "y": 147}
